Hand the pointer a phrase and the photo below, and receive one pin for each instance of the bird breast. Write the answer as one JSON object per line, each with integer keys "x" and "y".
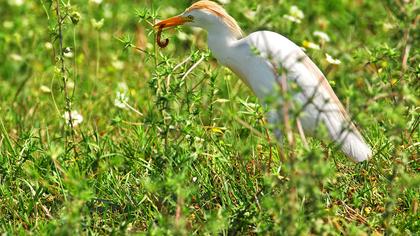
{"x": 255, "y": 71}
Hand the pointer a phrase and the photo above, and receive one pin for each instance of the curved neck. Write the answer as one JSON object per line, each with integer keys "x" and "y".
{"x": 219, "y": 38}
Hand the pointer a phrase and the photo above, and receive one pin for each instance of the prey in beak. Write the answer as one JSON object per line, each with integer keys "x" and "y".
{"x": 171, "y": 22}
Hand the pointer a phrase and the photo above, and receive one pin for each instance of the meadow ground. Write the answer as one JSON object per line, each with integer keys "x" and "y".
{"x": 166, "y": 141}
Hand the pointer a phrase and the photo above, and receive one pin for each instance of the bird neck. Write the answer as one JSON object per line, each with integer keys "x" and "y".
{"x": 220, "y": 39}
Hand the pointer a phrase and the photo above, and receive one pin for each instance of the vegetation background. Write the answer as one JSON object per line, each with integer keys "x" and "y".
{"x": 165, "y": 141}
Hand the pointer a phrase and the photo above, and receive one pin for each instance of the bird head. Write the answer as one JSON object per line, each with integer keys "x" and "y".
{"x": 204, "y": 14}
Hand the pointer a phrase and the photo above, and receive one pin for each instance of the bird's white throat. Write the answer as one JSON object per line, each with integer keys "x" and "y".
{"x": 220, "y": 40}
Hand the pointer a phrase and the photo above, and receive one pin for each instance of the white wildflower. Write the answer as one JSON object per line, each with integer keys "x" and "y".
{"x": 121, "y": 100}
{"x": 224, "y": 1}
{"x": 8, "y": 24}
{"x": 388, "y": 26}
{"x": 70, "y": 84}
{"x": 295, "y": 15}
{"x": 121, "y": 96}
{"x": 67, "y": 52}
{"x": 97, "y": 24}
{"x": 198, "y": 139}
{"x": 331, "y": 60}
{"x": 97, "y": 2}
{"x": 169, "y": 11}
{"x": 182, "y": 36}
{"x": 76, "y": 118}
{"x": 107, "y": 11}
{"x": 322, "y": 35}
{"x": 122, "y": 87}
{"x": 117, "y": 64}
{"x": 250, "y": 14}
{"x": 16, "y": 2}
{"x": 292, "y": 19}
{"x": 296, "y": 12}
{"x": 45, "y": 89}
{"x": 16, "y": 57}
{"x": 194, "y": 179}
{"x": 48, "y": 46}
{"x": 311, "y": 45}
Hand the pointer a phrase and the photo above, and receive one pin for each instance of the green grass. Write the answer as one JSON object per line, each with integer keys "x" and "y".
{"x": 191, "y": 155}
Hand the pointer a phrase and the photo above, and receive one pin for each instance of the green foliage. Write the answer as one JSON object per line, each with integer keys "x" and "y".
{"x": 172, "y": 143}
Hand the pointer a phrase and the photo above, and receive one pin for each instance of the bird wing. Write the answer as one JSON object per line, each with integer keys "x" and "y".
{"x": 260, "y": 56}
{"x": 329, "y": 93}
{"x": 280, "y": 52}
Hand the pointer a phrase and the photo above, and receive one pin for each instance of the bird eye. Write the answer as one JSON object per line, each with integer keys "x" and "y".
{"x": 190, "y": 17}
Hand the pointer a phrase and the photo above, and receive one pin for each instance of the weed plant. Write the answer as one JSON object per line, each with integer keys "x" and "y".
{"x": 102, "y": 132}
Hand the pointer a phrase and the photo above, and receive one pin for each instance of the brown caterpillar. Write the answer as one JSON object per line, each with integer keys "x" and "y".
{"x": 162, "y": 44}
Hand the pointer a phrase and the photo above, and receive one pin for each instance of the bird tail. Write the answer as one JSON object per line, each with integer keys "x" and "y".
{"x": 353, "y": 145}
{"x": 349, "y": 139}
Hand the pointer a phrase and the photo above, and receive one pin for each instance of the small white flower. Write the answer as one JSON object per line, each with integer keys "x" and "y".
{"x": 292, "y": 19}
{"x": 117, "y": 64}
{"x": 295, "y": 15}
{"x": 250, "y": 14}
{"x": 331, "y": 60}
{"x": 194, "y": 179}
{"x": 45, "y": 89}
{"x": 296, "y": 12}
{"x": 16, "y": 2}
{"x": 388, "y": 26}
{"x": 70, "y": 84}
{"x": 96, "y": 1}
{"x": 198, "y": 139}
{"x": 48, "y": 46}
{"x": 224, "y": 1}
{"x": 169, "y": 11}
{"x": 97, "y": 24}
{"x": 67, "y": 52}
{"x": 322, "y": 35}
{"x": 311, "y": 45}
{"x": 122, "y": 87}
{"x": 182, "y": 36}
{"x": 76, "y": 117}
{"x": 8, "y": 24}
{"x": 107, "y": 11}
{"x": 16, "y": 57}
{"x": 121, "y": 99}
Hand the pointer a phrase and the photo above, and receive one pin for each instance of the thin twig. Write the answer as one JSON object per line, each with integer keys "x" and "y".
{"x": 248, "y": 126}
{"x": 286, "y": 118}
{"x": 132, "y": 108}
{"x": 302, "y": 133}
{"x": 168, "y": 79}
{"x": 6, "y": 136}
{"x": 271, "y": 149}
{"x": 193, "y": 67}
{"x": 62, "y": 67}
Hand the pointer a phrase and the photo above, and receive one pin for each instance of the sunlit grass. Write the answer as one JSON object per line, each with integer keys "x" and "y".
{"x": 171, "y": 143}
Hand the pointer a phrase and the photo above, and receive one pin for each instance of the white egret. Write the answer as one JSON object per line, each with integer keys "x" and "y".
{"x": 257, "y": 58}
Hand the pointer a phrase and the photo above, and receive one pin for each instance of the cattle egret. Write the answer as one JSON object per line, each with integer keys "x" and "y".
{"x": 257, "y": 60}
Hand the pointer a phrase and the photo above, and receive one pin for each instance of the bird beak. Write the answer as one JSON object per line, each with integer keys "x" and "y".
{"x": 171, "y": 22}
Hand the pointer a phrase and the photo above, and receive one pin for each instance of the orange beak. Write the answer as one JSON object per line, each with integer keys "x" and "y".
{"x": 171, "y": 22}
